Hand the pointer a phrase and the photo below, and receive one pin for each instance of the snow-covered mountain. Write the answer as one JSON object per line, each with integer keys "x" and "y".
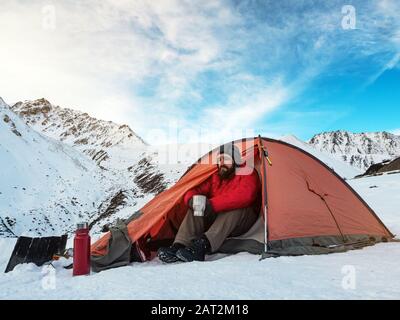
{"x": 358, "y": 149}
{"x": 114, "y": 147}
{"x": 94, "y": 137}
{"x": 126, "y": 167}
{"x": 45, "y": 185}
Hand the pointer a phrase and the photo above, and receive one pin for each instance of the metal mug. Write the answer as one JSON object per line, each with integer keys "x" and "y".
{"x": 199, "y": 205}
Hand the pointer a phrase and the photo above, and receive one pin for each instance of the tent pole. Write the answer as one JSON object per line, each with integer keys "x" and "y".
{"x": 263, "y": 154}
{"x": 265, "y": 230}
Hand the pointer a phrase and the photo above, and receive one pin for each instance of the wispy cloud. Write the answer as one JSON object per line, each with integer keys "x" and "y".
{"x": 217, "y": 66}
{"x": 384, "y": 25}
{"x": 101, "y": 54}
{"x": 392, "y": 63}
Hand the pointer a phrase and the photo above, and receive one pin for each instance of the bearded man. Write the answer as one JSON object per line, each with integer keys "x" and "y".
{"x": 231, "y": 195}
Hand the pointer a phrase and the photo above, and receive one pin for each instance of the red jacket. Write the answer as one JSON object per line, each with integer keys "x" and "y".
{"x": 238, "y": 192}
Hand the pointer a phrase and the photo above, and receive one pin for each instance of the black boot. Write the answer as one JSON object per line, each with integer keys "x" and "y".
{"x": 196, "y": 251}
{"x": 168, "y": 254}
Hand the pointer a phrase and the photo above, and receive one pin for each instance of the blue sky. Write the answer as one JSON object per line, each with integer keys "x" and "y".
{"x": 212, "y": 70}
{"x": 343, "y": 103}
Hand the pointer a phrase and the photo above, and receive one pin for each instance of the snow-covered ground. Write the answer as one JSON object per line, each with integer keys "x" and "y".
{"x": 370, "y": 273}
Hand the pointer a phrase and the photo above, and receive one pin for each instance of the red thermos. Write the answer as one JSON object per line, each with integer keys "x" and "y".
{"x": 81, "y": 250}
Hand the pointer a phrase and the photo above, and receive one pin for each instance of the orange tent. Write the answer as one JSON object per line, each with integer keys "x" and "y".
{"x": 306, "y": 208}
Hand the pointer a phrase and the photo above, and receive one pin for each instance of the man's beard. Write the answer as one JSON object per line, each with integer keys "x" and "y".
{"x": 224, "y": 172}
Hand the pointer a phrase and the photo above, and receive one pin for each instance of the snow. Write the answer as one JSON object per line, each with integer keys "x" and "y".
{"x": 382, "y": 193}
{"x": 370, "y": 273}
{"x": 43, "y": 182}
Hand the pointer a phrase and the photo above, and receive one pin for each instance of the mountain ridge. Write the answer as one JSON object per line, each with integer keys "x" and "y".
{"x": 46, "y": 186}
{"x": 90, "y": 135}
{"x": 360, "y": 150}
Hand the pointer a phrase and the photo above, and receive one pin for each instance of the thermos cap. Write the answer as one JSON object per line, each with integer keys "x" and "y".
{"x": 82, "y": 225}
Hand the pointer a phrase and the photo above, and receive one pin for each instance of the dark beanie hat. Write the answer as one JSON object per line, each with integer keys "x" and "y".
{"x": 233, "y": 151}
